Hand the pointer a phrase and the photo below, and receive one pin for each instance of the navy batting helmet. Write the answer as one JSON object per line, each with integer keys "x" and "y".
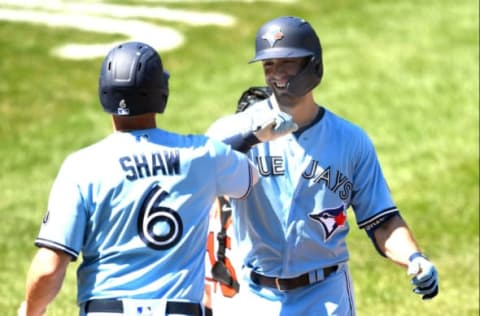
{"x": 292, "y": 37}
{"x": 133, "y": 81}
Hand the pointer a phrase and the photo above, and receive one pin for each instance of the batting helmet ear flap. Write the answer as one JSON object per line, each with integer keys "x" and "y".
{"x": 307, "y": 78}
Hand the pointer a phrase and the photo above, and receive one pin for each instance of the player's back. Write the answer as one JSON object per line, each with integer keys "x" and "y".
{"x": 145, "y": 197}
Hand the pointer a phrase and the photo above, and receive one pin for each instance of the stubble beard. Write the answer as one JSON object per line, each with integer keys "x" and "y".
{"x": 285, "y": 99}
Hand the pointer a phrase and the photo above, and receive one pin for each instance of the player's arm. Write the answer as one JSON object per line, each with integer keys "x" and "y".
{"x": 45, "y": 278}
{"x": 395, "y": 240}
{"x": 244, "y": 130}
{"x": 248, "y": 128}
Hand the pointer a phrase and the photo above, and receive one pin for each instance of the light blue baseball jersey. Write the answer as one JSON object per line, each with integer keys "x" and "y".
{"x": 295, "y": 219}
{"x": 136, "y": 205}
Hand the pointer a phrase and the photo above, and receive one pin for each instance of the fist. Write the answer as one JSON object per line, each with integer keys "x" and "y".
{"x": 273, "y": 125}
{"x": 425, "y": 276}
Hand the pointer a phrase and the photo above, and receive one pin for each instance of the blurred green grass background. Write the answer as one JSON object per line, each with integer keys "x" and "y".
{"x": 406, "y": 71}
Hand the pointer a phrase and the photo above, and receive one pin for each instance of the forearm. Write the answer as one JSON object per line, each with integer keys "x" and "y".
{"x": 241, "y": 142}
{"x": 234, "y": 130}
{"x": 40, "y": 292}
{"x": 44, "y": 280}
{"x": 243, "y": 130}
{"x": 396, "y": 241}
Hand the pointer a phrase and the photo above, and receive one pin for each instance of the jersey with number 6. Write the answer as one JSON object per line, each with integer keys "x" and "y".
{"x": 136, "y": 205}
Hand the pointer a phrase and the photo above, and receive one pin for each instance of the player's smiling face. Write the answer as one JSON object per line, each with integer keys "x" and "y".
{"x": 278, "y": 72}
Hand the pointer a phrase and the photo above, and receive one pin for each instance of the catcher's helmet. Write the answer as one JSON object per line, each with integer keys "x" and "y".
{"x": 292, "y": 37}
{"x": 133, "y": 81}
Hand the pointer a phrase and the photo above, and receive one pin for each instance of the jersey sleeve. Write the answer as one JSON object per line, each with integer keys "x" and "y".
{"x": 229, "y": 127}
{"x": 371, "y": 199}
{"x": 237, "y": 129}
{"x": 235, "y": 174}
{"x": 64, "y": 223}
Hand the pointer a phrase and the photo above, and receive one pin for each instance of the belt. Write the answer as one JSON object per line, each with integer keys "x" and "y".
{"x": 116, "y": 306}
{"x": 288, "y": 284}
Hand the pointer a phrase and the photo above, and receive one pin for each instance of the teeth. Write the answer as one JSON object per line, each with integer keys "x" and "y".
{"x": 280, "y": 85}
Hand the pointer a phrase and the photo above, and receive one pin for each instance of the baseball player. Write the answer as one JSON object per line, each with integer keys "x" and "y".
{"x": 291, "y": 229}
{"x": 136, "y": 204}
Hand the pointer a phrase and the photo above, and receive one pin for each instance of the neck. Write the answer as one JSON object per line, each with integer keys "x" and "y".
{"x": 303, "y": 110}
{"x": 132, "y": 123}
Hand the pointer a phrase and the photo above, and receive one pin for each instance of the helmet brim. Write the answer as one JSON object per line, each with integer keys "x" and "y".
{"x": 280, "y": 52}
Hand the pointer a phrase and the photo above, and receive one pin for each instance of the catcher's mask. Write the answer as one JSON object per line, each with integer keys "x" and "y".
{"x": 292, "y": 37}
{"x": 133, "y": 81}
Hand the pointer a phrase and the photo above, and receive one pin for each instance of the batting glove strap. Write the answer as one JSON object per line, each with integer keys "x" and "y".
{"x": 425, "y": 276}
{"x": 416, "y": 255}
{"x": 247, "y": 142}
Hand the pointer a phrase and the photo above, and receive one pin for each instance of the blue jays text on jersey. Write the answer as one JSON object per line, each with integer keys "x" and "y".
{"x": 308, "y": 182}
{"x": 334, "y": 180}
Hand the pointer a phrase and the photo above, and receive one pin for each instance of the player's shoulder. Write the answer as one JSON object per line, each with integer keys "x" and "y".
{"x": 199, "y": 144}
{"x": 81, "y": 154}
{"x": 348, "y": 133}
{"x": 344, "y": 125}
{"x": 81, "y": 163}
{"x": 190, "y": 140}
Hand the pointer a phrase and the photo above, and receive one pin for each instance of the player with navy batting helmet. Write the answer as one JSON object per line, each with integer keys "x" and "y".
{"x": 291, "y": 230}
{"x": 135, "y": 204}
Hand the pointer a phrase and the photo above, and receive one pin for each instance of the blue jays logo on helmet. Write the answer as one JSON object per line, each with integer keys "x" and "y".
{"x": 331, "y": 220}
{"x": 272, "y": 35}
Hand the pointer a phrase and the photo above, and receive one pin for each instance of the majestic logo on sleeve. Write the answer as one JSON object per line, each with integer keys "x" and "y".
{"x": 331, "y": 219}
{"x": 46, "y": 217}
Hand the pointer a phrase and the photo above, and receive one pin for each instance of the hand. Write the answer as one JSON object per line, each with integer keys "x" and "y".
{"x": 425, "y": 276}
{"x": 275, "y": 124}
